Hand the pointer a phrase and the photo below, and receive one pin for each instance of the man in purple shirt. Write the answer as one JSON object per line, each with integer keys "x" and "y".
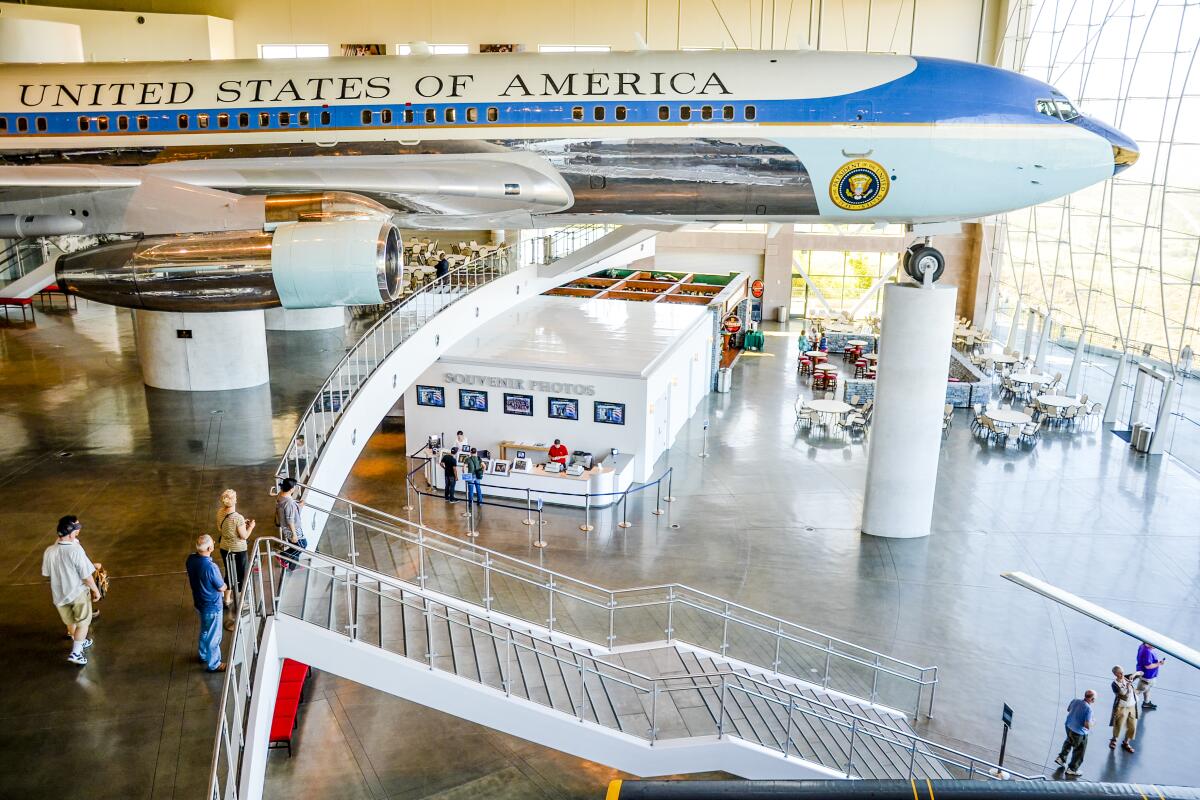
{"x": 1148, "y": 663}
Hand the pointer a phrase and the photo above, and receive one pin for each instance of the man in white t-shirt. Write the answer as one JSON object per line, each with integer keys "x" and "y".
{"x": 71, "y": 585}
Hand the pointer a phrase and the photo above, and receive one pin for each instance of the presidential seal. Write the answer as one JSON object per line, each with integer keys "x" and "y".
{"x": 859, "y": 185}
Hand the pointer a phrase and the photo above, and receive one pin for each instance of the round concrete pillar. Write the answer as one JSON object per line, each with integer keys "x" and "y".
{"x": 910, "y": 394}
{"x": 33, "y": 41}
{"x": 304, "y": 319}
{"x": 202, "y": 352}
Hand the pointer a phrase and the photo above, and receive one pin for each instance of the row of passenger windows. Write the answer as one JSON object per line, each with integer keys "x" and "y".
{"x": 621, "y": 113}
{"x": 303, "y": 119}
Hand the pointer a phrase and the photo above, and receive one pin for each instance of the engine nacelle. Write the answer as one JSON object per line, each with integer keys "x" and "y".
{"x": 341, "y": 262}
{"x": 336, "y": 262}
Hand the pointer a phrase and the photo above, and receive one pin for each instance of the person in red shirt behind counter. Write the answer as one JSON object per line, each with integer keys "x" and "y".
{"x": 559, "y": 452}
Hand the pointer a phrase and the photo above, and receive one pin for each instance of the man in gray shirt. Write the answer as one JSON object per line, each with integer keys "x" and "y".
{"x": 287, "y": 519}
{"x": 71, "y": 585}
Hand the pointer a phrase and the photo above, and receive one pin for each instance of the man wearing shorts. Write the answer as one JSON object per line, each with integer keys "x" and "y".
{"x": 1148, "y": 663}
{"x": 71, "y": 585}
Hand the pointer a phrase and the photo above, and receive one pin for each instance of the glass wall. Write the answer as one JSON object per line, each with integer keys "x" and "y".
{"x": 840, "y": 281}
{"x": 1118, "y": 263}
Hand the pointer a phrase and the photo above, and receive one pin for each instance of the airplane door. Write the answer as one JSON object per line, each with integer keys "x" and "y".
{"x": 860, "y": 133}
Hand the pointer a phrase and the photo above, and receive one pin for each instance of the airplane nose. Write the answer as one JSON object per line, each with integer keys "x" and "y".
{"x": 1124, "y": 157}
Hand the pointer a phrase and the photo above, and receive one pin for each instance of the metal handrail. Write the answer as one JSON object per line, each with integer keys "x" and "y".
{"x": 553, "y": 583}
{"x": 254, "y": 606}
{"x": 382, "y": 338}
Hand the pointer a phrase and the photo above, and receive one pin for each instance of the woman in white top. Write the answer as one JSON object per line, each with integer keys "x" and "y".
{"x": 233, "y": 530}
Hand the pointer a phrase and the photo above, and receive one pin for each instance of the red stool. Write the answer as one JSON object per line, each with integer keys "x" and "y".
{"x": 870, "y": 375}
{"x": 805, "y": 366}
{"x": 860, "y": 367}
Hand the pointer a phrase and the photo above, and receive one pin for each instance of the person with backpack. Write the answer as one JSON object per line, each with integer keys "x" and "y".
{"x": 233, "y": 531}
{"x": 474, "y": 478}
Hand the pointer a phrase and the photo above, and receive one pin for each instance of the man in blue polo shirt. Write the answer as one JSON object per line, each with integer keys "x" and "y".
{"x": 1079, "y": 722}
{"x": 208, "y": 596}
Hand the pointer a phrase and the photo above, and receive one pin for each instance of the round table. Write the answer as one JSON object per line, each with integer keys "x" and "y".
{"x": 1057, "y": 400}
{"x": 1030, "y": 378}
{"x": 829, "y": 406}
{"x": 1008, "y": 416}
{"x": 1004, "y": 359}
{"x": 871, "y": 356}
{"x": 817, "y": 354}
{"x": 857, "y": 342}
{"x": 827, "y": 367}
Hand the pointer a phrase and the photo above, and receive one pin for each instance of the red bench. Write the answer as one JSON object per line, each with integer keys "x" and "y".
{"x": 52, "y": 291}
{"x": 292, "y": 680}
{"x": 19, "y": 302}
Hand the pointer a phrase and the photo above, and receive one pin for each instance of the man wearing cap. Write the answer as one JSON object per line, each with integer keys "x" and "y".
{"x": 71, "y": 585}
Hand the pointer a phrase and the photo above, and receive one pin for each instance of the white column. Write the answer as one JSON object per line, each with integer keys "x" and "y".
{"x": 304, "y": 319}
{"x": 202, "y": 352}
{"x": 1076, "y": 364}
{"x": 1165, "y": 423}
{"x": 910, "y": 393}
{"x": 1116, "y": 392}
{"x": 1030, "y": 324}
{"x": 1012, "y": 328}
{"x": 1044, "y": 343}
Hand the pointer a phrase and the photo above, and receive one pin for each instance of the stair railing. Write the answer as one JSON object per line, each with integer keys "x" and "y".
{"x": 613, "y": 617}
{"x": 367, "y": 592}
{"x": 404, "y": 319}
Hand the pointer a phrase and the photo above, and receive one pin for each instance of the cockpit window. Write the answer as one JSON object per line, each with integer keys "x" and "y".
{"x": 1059, "y": 108}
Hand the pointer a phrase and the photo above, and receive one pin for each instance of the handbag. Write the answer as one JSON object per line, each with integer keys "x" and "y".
{"x": 100, "y": 576}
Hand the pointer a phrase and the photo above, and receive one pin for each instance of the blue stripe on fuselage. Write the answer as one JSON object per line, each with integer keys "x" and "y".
{"x": 937, "y": 91}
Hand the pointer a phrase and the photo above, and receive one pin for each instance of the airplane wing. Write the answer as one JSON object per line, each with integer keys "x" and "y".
{"x": 486, "y": 189}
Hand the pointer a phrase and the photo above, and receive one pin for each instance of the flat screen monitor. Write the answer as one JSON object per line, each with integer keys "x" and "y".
{"x": 472, "y": 400}
{"x": 609, "y": 413}
{"x": 431, "y": 396}
{"x": 563, "y": 408}
{"x": 519, "y": 404}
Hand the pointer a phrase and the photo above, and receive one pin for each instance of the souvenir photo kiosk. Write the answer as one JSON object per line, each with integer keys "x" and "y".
{"x": 600, "y": 375}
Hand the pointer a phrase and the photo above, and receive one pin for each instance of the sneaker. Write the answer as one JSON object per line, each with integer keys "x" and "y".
{"x": 80, "y": 659}
{"x": 1062, "y": 762}
{"x": 1073, "y": 773}
{"x": 87, "y": 643}
{"x": 219, "y": 668}
{"x": 1149, "y": 706}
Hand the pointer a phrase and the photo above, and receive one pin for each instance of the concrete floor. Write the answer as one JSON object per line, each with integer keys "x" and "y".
{"x": 770, "y": 520}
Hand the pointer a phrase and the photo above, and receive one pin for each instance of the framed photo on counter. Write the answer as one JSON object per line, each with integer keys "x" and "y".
{"x": 609, "y": 413}
{"x": 500, "y": 467}
{"x": 431, "y": 396}
{"x": 563, "y": 408}
{"x": 520, "y": 404}
{"x": 472, "y": 400}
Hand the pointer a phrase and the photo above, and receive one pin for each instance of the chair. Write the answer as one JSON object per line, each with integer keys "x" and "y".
{"x": 1095, "y": 412}
{"x": 1030, "y": 433}
{"x": 976, "y": 417}
{"x": 804, "y": 415}
{"x": 1034, "y": 410}
{"x": 855, "y": 400}
{"x": 947, "y": 415}
{"x": 1083, "y": 400}
{"x": 1070, "y": 415}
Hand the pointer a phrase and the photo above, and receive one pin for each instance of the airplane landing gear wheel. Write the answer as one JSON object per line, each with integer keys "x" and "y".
{"x": 921, "y": 259}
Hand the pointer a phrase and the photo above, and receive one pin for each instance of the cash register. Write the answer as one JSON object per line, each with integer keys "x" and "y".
{"x": 582, "y": 458}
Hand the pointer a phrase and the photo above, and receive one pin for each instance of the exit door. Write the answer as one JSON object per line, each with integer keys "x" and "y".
{"x": 860, "y": 133}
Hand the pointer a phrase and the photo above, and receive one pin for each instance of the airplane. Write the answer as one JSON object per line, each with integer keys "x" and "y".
{"x": 249, "y": 184}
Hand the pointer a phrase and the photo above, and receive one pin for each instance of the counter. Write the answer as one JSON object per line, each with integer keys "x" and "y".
{"x": 611, "y": 477}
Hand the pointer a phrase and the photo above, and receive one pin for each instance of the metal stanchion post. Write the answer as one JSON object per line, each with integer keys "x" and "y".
{"x": 471, "y": 532}
{"x": 467, "y": 492}
{"x": 704, "y": 446}
{"x": 587, "y": 513}
{"x": 420, "y": 509}
{"x": 408, "y": 506}
{"x": 540, "y": 541}
{"x": 658, "y": 509}
{"x": 625, "y": 523}
{"x": 670, "y": 498}
{"x": 528, "y": 510}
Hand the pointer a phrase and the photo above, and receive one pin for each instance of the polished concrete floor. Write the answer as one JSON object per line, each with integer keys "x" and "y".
{"x": 770, "y": 520}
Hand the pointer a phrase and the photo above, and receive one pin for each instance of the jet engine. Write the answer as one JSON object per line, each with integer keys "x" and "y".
{"x": 334, "y": 262}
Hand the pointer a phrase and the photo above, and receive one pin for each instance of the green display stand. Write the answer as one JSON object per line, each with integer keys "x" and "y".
{"x": 755, "y": 341}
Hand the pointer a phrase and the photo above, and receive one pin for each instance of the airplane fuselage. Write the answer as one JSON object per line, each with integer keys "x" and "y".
{"x": 538, "y": 139}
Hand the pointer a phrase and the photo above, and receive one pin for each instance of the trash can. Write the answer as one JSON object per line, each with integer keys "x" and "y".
{"x": 1142, "y": 434}
{"x": 724, "y": 380}
{"x": 781, "y": 314}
